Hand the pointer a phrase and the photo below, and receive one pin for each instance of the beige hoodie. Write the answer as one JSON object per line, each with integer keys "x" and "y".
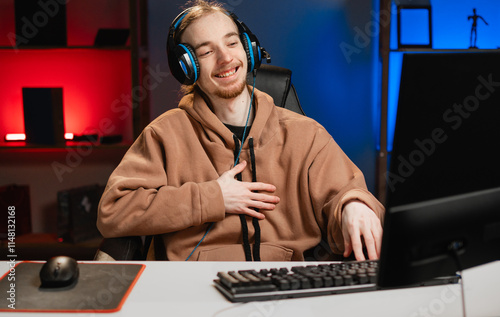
{"x": 166, "y": 184}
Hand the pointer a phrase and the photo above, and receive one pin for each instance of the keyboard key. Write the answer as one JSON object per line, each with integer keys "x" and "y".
{"x": 317, "y": 282}
{"x": 283, "y": 284}
{"x": 294, "y": 283}
{"x": 252, "y": 278}
{"x": 348, "y": 280}
{"x": 361, "y": 271}
{"x": 327, "y": 281}
{"x": 227, "y": 279}
{"x": 305, "y": 283}
{"x": 242, "y": 280}
{"x": 338, "y": 280}
{"x": 363, "y": 279}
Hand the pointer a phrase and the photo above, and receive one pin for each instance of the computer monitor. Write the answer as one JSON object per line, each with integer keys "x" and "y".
{"x": 447, "y": 134}
{"x": 439, "y": 237}
{"x": 443, "y": 184}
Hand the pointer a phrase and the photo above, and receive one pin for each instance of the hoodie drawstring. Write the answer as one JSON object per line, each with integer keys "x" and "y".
{"x": 255, "y": 221}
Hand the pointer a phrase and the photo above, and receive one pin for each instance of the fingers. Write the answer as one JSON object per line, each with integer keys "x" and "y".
{"x": 262, "y": 205}
{"x": 357, "y": 245}
{"x": 261, "y": 187}
{"x": 243, "y": 197}
{"x": 370, "y": 242}
{"x": 371, "y": 249}
{"x": 247, "y": 204}
{"x": 360, "y": 226}
{"x": 253, "y": 186}
{"x": 264, "y": 198}
{"x": 238, "y": 168}
{"x": 372, "y": 235}
{"x": 253, "y": 213}
{"x": 376, "y": 240}
{"x": 347, "y": 246}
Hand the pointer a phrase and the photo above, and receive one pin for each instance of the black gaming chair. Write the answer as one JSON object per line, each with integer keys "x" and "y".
{"x": 275, "y": 81}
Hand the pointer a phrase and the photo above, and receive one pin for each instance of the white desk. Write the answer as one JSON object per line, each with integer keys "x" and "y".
{"x": 186, "y": 289}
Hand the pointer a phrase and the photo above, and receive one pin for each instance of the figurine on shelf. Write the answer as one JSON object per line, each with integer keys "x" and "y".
{"x": 473, "y": 31}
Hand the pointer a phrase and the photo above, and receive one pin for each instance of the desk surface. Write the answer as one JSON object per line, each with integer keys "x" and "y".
{"x": 186, "y": 289}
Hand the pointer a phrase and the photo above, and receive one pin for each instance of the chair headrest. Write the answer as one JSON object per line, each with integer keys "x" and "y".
{"x": 273, "y": 80}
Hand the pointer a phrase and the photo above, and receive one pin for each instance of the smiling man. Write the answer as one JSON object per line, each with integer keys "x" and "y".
{"x": 221, "y": 55}
{"x": 186, "y": 179}
{"x": 222, "y": 78}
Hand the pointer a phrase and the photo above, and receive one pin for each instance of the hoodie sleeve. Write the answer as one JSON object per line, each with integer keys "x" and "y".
{"x": 137, "y": 200}
{"x": 333, "y": 181}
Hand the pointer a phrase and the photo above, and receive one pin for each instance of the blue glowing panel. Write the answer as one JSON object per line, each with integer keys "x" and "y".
{"x": 395, "y": 65}
{"x": 414, "y": 26}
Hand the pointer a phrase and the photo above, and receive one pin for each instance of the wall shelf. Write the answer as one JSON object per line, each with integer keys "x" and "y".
{"x": 98, "y": 81}
{"x": 63, "y": 148}
{"x": 443, "y": 50}
{"x": 15, "y": 48}
{"x": 98, "y": 97}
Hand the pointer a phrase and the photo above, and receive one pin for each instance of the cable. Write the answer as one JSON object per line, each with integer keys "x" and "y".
{"x": 235, "y": 161}
{"x": 248, "y": 118}
{"x": 206, "y": 232}
{"x": 454, "y": 247}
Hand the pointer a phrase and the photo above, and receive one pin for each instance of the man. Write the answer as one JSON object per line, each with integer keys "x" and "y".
{"x": 290, "y": 186}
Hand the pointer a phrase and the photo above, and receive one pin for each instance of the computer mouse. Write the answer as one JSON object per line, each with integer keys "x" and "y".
{"x": 59, "y": 271}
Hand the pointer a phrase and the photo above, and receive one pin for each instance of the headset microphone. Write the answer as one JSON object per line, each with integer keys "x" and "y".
{"x": 267, "y": 56}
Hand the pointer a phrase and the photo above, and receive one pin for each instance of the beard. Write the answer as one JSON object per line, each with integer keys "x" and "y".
{"x": 232, "y": 92}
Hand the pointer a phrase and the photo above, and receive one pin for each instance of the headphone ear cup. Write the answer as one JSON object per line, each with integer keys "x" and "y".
{"x": 246, "y": 47}
{"x": 188, "y": 63}
{"x": 252, "y": 49}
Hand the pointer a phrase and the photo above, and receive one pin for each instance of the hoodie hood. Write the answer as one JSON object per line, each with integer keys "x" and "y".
{"x": 264, "y": 126}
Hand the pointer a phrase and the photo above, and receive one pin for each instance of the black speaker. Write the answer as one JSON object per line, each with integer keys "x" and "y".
{"x": 40, "y": 23}
{"x": 77, "y": 213}
{"x": 43, "y": 116}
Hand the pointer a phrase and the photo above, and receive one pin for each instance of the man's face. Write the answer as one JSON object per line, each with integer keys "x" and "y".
{"x": 223, "y": 62}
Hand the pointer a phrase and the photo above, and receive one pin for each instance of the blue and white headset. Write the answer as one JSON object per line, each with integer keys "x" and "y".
{"x": 182, "y": 58}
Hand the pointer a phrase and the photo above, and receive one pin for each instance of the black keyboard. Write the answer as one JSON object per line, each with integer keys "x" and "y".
{"x": 303, "y": 281}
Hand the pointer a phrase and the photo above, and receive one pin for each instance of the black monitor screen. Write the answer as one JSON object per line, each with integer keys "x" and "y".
{"x": 447, "y": 136}
{"x": 444, "y": 177}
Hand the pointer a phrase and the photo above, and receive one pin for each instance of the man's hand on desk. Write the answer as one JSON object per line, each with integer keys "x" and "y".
{"x": 359, "y": 220}
{"x": 240, "y": 197}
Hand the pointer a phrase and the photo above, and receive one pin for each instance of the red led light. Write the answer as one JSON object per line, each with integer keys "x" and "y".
{"x": 22, "y": 136}
{"x": 15, "y": 137}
